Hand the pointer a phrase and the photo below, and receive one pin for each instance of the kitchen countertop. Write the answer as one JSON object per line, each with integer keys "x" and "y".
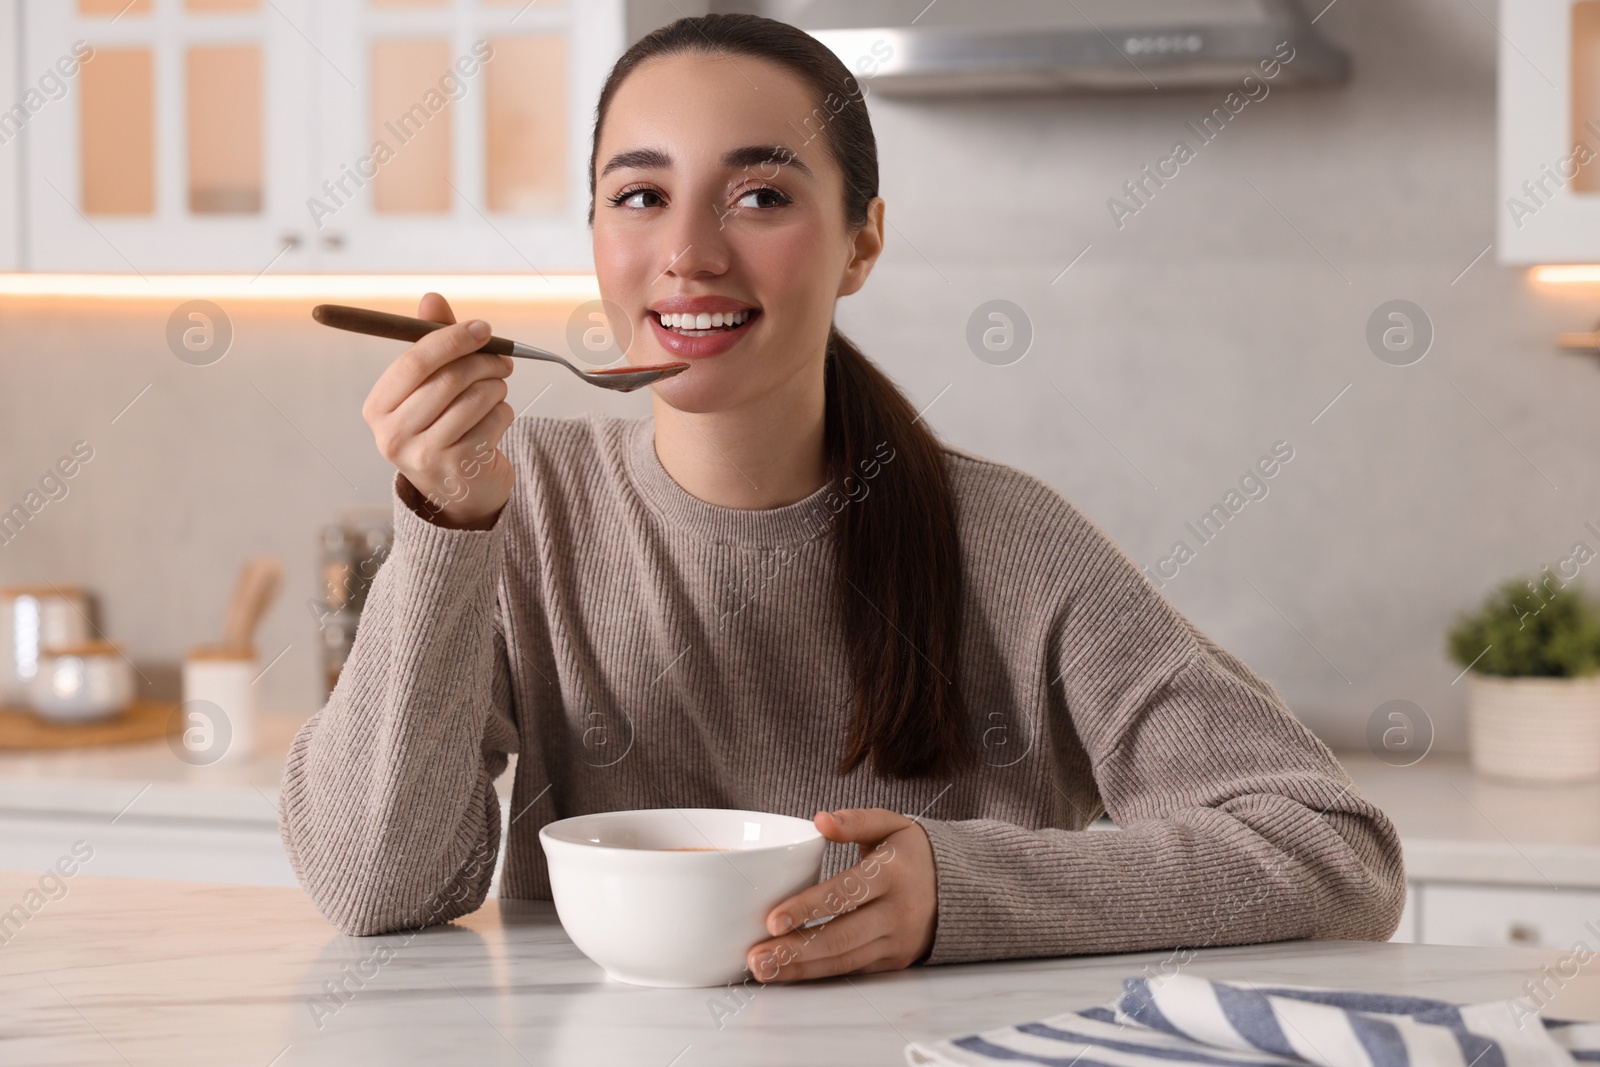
{"x": 178, "y": 972}
{"x": 148, "y": 781}
{"x": 1454, "y": 825}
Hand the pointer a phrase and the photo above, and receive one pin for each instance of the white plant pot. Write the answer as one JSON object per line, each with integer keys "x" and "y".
{"x": 1534, "y": 729}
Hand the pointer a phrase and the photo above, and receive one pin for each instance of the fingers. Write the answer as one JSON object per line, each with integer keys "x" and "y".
{"x": 868, "y": 826}
{"x": 476, "y": 420}
{"x": 848, "y": 889}
{"x": 883, "y": 909}
{"x": 435, "y": 308}
{"x": 390, "y": 389}
{"x": 438, "y": 414}
{"x": 423, "y": 359}
{"x": 429, "y": 401}
{"x": 874, "y": 955}
{"x": 824, "y": 949}
{"x": 462, "y": 414}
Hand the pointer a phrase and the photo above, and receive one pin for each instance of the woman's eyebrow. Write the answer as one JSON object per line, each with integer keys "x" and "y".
{"x": 755, "y": 155}
{"x": 759, "y": 155}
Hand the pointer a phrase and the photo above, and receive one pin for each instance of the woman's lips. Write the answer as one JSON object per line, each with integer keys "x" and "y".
{"x": 700, "y": 347}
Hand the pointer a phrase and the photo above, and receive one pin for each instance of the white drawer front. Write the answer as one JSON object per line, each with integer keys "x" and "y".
{"x": 243, "y": 854}
{"x": 1407, "y": 931}
{"x": 1510, "y": 916}
{"x": 167, "y": 849}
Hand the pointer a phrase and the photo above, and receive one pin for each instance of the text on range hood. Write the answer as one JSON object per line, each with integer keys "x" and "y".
{"x": 962, "y": 47}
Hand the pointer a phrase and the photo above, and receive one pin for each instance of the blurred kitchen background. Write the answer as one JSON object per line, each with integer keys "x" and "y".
{"x": 1177, "y": 329}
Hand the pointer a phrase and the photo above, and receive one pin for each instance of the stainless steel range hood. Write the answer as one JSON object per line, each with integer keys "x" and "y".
{"x": 963, "y": 47}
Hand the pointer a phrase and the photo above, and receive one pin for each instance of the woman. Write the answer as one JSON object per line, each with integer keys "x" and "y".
{"x": 783, "y": 593}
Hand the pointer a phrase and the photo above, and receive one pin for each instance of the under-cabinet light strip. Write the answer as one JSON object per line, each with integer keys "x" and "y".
{"x": 529, "y": 288}
{"x": 1568, "y": 274}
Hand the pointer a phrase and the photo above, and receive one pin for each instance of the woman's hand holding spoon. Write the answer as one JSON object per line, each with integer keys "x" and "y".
{"x": 438, "y": 414}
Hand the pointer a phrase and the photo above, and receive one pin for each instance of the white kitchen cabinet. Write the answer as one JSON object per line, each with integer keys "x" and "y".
{"x": 191, "y": 850}
{"x": 474, "y": 122}
{"x": 248, "y": 136}
{"x": 1508, "y": 916}
{"x": 10, "y": 139}
{"x": 180, "y": 142}
{"x": 200, "y": 848}
{"x": 1407, "y": 932}
{"x": 1549, "y": 132}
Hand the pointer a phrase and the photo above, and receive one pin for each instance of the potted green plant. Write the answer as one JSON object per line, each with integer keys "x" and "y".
{"x": 1533, "y": 682}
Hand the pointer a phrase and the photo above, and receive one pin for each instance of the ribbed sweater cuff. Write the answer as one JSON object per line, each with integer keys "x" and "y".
{"x": 962, "y": 891}
{"x": 989, "y": 903}
{"x": 439, "y": 554}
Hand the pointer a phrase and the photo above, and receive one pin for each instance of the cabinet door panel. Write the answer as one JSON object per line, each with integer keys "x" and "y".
{"x": 177, "y": 137}
{"x": 117, "y": 134}
{"x": 417, "y": 180}
{"x": 1511, "y": 916}
{"x": 226, "y": 140}
{"x": 455, "y": 136}
{"x": 1549, "y": 131}
{"x": 526, "y": 151}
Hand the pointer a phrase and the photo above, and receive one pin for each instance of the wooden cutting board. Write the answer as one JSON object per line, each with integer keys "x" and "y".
{"x": 144, "y": 720}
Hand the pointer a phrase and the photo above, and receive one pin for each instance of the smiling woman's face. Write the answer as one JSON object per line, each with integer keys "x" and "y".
{"x": 692, "y": 214}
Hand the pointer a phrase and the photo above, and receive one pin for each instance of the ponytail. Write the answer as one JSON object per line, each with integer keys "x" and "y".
{"x": 898, "y": 565}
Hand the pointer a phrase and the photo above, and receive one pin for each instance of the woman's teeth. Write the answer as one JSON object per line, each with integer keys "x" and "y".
{"x": 691, "y": 325}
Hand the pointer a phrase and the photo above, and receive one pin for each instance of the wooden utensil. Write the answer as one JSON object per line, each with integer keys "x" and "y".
{"x": 253, "y": 594}
{"x": 405, "y": 328}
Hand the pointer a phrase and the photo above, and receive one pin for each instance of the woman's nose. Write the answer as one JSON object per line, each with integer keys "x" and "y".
{"x": 696, "y": 242}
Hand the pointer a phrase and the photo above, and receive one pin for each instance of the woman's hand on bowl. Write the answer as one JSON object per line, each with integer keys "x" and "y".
{"x": 886, "y": 905}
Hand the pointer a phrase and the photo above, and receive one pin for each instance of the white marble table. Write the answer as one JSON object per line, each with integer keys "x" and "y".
{"x": 146, "y": 972}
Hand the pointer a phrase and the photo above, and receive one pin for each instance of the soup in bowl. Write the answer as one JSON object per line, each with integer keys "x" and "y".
{"x": 676, "y": 896}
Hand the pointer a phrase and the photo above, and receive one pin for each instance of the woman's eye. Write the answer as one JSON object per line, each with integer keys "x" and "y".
{"x": 630, "y": 194}
{"x": 779, "y": 199}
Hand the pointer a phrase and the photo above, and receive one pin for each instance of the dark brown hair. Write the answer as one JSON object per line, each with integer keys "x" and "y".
{"x": 897, "y": 553}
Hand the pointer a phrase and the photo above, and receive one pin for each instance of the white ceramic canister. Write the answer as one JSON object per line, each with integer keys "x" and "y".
{"x": 33, "y": 618}
{"x": 81, "y": 683}
{"x": 219, "y": 706}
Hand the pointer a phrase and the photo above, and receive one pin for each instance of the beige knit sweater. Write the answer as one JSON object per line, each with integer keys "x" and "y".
{"x": 638, "y": 647}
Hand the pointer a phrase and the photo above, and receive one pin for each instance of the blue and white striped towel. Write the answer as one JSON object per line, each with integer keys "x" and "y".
{"x": 1174, "y": 1020}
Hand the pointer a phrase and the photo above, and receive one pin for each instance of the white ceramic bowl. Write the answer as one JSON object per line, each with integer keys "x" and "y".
{"x": 654, "y": 916}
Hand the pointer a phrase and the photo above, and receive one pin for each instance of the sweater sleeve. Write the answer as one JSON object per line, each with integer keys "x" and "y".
{"x": 388, "y": 810}
{"x": 1236, "y": 824}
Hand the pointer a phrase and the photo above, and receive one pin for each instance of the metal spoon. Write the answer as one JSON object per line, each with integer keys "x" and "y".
{"x": 405, "y": 328}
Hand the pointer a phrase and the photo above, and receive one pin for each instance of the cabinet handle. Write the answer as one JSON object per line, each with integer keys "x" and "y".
{"x": 333, "y": 241}
{"x": 1522, "y": 934}
{"x": 290, "y": 241}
